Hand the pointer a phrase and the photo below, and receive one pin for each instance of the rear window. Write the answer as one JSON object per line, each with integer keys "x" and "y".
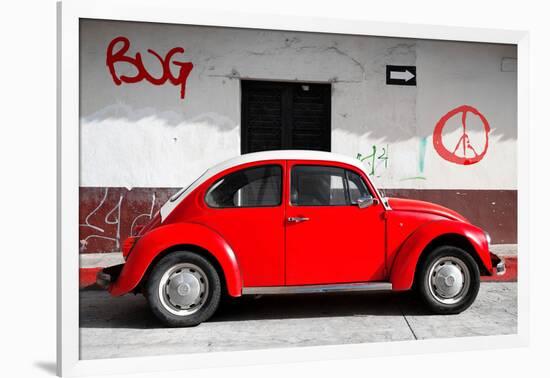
{"x": 250, "y": 187}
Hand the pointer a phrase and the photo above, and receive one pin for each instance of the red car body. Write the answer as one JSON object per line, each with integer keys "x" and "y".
{"x": 258, "y": 248}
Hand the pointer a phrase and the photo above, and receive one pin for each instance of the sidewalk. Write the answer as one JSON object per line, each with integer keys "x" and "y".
{"x": 91, "y": 263}
{"x": 125, "y": 327}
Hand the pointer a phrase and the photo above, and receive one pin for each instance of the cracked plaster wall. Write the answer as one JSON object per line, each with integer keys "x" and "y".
{"x": 141, "y": 135}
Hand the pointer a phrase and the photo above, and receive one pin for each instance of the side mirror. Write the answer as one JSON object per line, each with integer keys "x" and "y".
{"x": 364, "y": 202}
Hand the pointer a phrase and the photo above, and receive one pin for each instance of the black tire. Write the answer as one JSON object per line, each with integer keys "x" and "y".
{"x": 163, "y": 307}
{"x": 431, "y": 297}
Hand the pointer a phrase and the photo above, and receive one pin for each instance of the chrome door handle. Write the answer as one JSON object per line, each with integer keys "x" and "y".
{"x": 297, "y": 219}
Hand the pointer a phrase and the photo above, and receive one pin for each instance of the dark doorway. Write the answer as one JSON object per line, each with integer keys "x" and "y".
{"x": 280, "y": 116}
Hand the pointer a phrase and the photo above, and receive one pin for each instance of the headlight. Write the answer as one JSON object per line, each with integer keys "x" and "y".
{"x": 488, "y": 238}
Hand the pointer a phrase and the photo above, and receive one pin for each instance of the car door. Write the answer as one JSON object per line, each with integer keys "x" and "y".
{"x": 245, "y": 206}
{"x": 329, "y": 238}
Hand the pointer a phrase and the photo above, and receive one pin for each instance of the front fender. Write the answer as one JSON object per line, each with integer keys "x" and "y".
{"x": 404, "y": 266}
{"x": 164, "y": 237}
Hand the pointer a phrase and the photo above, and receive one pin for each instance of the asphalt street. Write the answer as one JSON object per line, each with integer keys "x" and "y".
{"x": 125, "y": 327}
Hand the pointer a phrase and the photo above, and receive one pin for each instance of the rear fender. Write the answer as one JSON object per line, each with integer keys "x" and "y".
{"x": 163, "y": 238}
{"x": 405, "y": 263}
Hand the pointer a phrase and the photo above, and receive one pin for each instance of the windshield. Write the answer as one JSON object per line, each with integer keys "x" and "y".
{"x": 381, "y": 192}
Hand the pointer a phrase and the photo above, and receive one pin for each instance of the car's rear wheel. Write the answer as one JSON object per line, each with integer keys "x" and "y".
{"x": 183, "y": 289}
{"x": 448, "y": 280}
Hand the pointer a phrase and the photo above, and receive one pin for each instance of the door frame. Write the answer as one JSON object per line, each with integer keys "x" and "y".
{"x": 290, "y": 211}
{"x": 286, "y": 117}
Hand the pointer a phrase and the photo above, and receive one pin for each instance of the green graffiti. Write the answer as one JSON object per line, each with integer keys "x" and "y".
{"x": 422, "y": 154}
{"x": 421, "y": 160}
{"x": 376, "y": 159}
{"x": 413, "y": 178}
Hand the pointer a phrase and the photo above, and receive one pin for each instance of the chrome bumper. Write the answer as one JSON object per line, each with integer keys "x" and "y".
{"x": 501, "y": 268}
{"x": 498, "y": 264}
{"x": 107, "y": 276}
{"x": 103, "y": 280}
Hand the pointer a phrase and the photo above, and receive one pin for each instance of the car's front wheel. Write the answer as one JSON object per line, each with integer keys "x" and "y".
{"x": 183, "y": 289}
{"x": 448, "y": 280}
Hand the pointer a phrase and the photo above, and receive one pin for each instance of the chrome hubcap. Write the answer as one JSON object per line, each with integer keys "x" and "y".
{"x": 449, "y": 280}
{"x": 183, "y": 289}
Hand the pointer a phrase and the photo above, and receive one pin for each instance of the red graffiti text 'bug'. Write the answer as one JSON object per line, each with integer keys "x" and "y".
{"x": 117, "y": 55}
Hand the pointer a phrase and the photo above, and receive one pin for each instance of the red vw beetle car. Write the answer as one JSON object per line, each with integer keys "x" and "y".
{"x": 282, "y": 222}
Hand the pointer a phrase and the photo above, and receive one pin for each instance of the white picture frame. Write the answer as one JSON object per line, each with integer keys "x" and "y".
{"x": 69, "y": 13}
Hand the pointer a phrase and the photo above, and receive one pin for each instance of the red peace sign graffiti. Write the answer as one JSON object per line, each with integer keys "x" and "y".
{"x": 459, "y": 155}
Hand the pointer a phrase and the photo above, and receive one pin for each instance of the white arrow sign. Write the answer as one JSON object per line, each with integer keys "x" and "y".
{"x": 400, "y": 75}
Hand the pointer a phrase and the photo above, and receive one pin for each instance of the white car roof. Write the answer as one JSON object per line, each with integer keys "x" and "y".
{"x": 285, "y": 155}
{"x": 173, "y": 202}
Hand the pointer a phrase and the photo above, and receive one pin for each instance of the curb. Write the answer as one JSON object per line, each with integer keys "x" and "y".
{"x": 87, "y": 278}
{"x": 92, "y": 263}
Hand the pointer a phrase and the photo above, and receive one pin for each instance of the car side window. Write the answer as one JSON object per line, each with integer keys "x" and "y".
{"x": 317, "y": 186}
{"x": 251, "y": 187}
{"x": 312, "y": 185}
{"x": 356, "y": 187}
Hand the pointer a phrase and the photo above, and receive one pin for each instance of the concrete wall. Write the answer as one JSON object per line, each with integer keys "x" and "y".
{"x": 146, "y": 136}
